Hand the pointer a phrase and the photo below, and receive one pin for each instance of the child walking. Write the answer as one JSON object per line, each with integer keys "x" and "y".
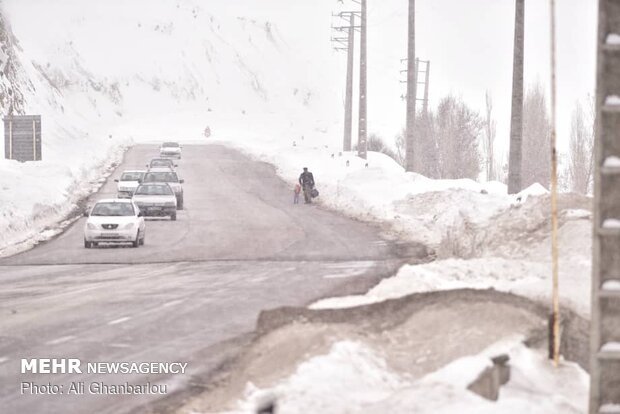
{"x": 296, "y": 194}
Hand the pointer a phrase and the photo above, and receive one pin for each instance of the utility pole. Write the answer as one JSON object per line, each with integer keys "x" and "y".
{"x": 349, "y": 46}
{"x": 423, "y": 70}
{"x": 516, "y": 120}
{"x": 411, "y": 89}
{"x": 605, "y": 314}
{"x": 362, "y": 131}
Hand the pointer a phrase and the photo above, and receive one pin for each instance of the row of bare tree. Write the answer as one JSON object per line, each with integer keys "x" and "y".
{"x": 455, "y": 141}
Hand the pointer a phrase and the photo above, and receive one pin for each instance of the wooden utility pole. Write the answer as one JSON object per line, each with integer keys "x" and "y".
{"x": 516, "y": 120}
{"x": 362, "y": 132}
{"x": 411, "y": 89}
{"x": 554, "y": 203}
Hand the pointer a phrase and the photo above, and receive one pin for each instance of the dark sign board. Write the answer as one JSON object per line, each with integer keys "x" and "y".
{"x": 22, "y": 137}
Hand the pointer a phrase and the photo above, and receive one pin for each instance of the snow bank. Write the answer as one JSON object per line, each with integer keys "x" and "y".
{"x": 350, "y": 375}
{"x": 522, "y": 277}
{"x": 37, "y": 197}
{"x": 353, "y": 378}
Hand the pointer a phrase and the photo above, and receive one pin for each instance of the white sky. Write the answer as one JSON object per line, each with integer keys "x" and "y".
{"x": 469, "y": 43}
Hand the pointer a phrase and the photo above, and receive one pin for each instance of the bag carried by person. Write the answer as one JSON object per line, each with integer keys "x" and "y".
{"x": 314, "y": 193}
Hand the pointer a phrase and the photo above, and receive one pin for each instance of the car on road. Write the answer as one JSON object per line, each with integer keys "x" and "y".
{"x": 170, "y": 149}
{"x": 156, "y": 200}
{"x": 114, "y": 220}
{"x": 128, "y": 182}
{"x": 161, "y": 163}
{"x": 165, "y": 175}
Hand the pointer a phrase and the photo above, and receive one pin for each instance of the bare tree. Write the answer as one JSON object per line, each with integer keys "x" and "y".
{"x": 489, "y": 139}
{"x": 401, "y": 148}
{"x": 536, "y": 161}
{"x": 426, "y": 151}
{"x": 375, "y": 143}
{"x": 580, "y": 150}
{"x": 457, "y": 131}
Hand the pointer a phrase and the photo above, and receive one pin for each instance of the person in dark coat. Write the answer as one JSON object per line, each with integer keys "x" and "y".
{"x": 306, "y": 180}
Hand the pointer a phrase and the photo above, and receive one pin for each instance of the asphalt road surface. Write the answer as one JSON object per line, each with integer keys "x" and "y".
{"x": 191, "y": 294}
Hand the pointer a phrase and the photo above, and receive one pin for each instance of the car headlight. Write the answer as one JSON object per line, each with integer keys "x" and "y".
{"x": 129, "y": 226}
{"x": 169, "y": 204}
{"x": 91, "y": 226}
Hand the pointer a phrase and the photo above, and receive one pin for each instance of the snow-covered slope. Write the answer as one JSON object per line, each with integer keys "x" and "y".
{"x": 106, "y": 74}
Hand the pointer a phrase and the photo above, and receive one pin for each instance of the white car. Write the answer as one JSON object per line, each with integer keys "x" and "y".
{"x": 170, "y": 149}
{"x": 156, "y": 199}
{"x": 166, "y": 175}
{"x": 129, "y": 181}
{"x": 114, "y": 221}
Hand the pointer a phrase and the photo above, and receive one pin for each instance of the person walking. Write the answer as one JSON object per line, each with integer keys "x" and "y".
{"x": 296, "y": 193}
{"x": 306, "y": 180}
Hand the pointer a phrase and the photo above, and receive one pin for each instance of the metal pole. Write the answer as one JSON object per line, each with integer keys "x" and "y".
{"x": 362, "y": 133}
{"x": 516, "y": 120}
{"x": 411, "y": 89}
{"x": 348, "y": 111}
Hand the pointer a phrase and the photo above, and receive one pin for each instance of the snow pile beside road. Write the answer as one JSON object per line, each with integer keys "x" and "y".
{"x": 37, "y": 197}
{"x": 354, "y": 378}
{"x": 350, "y": 375}
{"x": 523, "y": 277}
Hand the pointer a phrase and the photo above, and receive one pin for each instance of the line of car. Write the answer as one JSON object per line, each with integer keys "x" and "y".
{"x": 154, "y": 192}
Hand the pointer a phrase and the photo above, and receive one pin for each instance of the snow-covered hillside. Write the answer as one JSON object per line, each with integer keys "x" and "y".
{"x": 105, "y": 74}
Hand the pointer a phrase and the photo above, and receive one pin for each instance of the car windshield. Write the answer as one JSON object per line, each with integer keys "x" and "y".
{"x": 112, "y": 209}
{"x": 170, "y": 144}
{"x": 161, "y": 177}
{"x": 153, "y": 190}
{"x": 161, "y": 163}
{"x": 132, "y": 176}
